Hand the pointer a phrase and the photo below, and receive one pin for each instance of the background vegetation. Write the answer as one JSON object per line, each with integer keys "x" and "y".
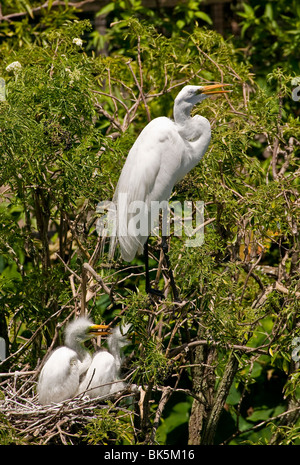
{"x": 216, "y": 367}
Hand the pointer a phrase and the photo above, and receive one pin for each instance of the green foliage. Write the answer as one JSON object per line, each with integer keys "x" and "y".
{"x": 175, "y": 424}
{"x": 110, "y": 427}
{"x": 68, "y": 121}
{"x": 184, "y": 17}
{"x": 8, "y": 435}
{"x": 276, "y": 23}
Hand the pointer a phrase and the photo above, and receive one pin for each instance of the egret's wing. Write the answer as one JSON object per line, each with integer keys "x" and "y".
{"x": 149, "y": 173}
{"x": 59, "y": 378}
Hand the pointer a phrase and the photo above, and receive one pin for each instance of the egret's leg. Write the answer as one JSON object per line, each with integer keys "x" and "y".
{"x": 146, "y": 259}
{"x": 149, "y": 289}
{"x": 164, "y": 245}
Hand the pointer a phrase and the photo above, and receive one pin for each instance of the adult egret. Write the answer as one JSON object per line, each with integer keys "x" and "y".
{"x": 102, "y": 377}
{"x": 60, "y": 377}
{"x": 161, "y": 156}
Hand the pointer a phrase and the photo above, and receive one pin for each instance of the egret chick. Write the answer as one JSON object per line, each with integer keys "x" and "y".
{"x": 102, "y": 377}
{"x": 60, "y": 377}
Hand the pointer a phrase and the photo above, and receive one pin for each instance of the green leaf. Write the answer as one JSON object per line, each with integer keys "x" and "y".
{"x": 248, "y": 10}
{"x": 106, "y": 9}
{"x": 28, "y": 9}
{"x": 244, "y": 29}
{"x": 180, "y": 24}
{"x": 260, "y": 414}
{"x": 178, "y": 416}
{"x": 234, "y": 396}
{"x": 269, "y": 11}
{"x": 204, "y": 17}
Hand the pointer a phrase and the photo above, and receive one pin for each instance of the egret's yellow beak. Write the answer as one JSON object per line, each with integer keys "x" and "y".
{"x": 99, "y": 330}
{"x": 209, "y": 90}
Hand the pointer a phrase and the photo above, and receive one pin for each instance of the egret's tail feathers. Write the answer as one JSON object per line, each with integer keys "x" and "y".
{"x": 130, "y": 247}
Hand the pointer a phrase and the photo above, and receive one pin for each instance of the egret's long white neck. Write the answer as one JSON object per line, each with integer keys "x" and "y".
{"x": 182, "y": 112}
{"x": 116, "y": 341}
{"x": 84, "y": 356}
{"x": 73, "y": 343}
{"x": 114, "y": 348}
{"x": 194, "y": 130}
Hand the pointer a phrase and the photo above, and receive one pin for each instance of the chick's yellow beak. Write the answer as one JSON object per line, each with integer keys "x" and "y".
{"x": 209, "y": 90}
{"x": 99, "y": 330}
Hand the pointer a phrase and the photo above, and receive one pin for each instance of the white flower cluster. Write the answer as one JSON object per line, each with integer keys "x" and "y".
{"x": 15, "y": 66}
{"x": 78, "y": 42}
{"x": 73, "y": 75}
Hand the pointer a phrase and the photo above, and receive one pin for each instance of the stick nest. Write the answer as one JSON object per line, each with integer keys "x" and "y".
{"x": 24, "y": 421}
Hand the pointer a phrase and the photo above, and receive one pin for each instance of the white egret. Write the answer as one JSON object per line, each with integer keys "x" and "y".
{"x": 102, "y": 377}
{"x": 60, "y": 377}
{"x": 161, "y": 156}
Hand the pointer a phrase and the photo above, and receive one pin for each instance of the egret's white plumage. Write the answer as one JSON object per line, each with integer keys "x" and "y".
{"x": 60, "y": 377}
{"x": 161, "y": 156}
{"x": 102, "y": 377}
